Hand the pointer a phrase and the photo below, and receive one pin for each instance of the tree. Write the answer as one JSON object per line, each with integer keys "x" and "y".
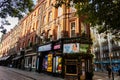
{"x": 97, "y": 12}
{"x": 15, "y": 8}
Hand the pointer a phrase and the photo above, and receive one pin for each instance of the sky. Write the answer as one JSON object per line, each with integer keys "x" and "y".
{"x": 13, "y": 22}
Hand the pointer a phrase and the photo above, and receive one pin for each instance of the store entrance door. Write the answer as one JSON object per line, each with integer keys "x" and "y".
{"x": 78, "y": 69}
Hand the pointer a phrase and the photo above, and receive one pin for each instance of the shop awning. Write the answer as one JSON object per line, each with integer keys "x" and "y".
{"x": 17, "y": 57}
{"x": 4, "y": 58}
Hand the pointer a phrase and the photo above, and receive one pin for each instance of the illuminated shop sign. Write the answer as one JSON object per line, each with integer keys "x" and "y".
{"x": 45, "y": 48}
{"x": 71, "y": 48}
{"x": 57, "y": 47}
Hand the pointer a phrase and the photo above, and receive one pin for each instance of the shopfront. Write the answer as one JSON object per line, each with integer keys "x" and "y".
{"x": 30, "y": 61}
{"x": 57, "y": 59}
{"x": 78, "y": 60}
{"x": 44, "y": 59}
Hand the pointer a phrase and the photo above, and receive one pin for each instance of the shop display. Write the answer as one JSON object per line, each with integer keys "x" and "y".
{"x": 58, "y": 64}
{"x": 49, "y": 64}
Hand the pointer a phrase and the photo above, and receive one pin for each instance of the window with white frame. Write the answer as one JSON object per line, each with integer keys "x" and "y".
{"x": 60, "y": 11}
{"x": 72, "y": 29}
{"x": 59, "y": 32}
{"x": 50, "y": 16}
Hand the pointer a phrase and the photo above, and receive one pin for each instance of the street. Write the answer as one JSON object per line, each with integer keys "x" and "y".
{"x": 17, "y": 74}
{"x": 6, "y": 74}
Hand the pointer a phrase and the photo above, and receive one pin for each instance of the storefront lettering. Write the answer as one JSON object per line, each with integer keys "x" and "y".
{"x": 45, "y": 48}
{"x": 57, "y": 47}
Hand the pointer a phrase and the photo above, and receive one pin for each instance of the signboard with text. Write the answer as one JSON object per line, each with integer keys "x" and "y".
{"x": 44, "y": 48}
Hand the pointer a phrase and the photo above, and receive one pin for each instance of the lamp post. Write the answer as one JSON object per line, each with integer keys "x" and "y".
{"x": 110, "y": 52}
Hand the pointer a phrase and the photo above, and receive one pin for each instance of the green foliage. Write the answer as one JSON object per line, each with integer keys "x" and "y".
{"x": 97, "y": 12}
{"x": 15, "y": 8}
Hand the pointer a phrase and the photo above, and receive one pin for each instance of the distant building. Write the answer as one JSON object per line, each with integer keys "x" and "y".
{"x": 103, "y": 49}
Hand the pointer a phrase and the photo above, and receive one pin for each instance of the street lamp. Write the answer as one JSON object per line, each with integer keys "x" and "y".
{"x": 110, "y": 52}
{"x": 110, "y": 57}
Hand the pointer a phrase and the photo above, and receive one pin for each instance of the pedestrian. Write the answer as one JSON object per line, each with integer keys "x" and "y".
{"x": 119, "y": 72}
{"x": 109, "y": 72}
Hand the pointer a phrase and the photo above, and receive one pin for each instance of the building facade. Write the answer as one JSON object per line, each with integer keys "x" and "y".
{"x": 106, "y": 51}
{"x": 46, "y": 37}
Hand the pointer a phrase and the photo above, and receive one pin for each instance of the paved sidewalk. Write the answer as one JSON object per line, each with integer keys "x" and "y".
{"x": 42, "y": 76}
{"x": 104, "y": 76}
{"x": 34, "y": 75}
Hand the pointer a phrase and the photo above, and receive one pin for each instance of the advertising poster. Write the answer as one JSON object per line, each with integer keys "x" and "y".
{"x": 84, "y": 47}
{"x": 49, "y": 64}
{"x": 71, "y": 48}
{"x": 58, "y": 64}
{"x": 45, "y": 63}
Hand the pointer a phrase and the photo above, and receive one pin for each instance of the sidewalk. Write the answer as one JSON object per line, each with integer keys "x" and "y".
{"x": 34, "y": 75}
{"x": 104, "y": 76}
{"x": 42, "y": 76}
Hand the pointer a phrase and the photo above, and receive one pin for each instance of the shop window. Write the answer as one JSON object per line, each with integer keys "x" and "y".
{"x": 33, "y": 61}
{"x": 58, "y": 64}
{"x": 72, "y": 26}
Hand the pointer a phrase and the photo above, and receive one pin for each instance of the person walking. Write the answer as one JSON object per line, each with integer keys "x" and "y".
{"x": 109, "y": 72}
{"x": 119, "y": 74}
